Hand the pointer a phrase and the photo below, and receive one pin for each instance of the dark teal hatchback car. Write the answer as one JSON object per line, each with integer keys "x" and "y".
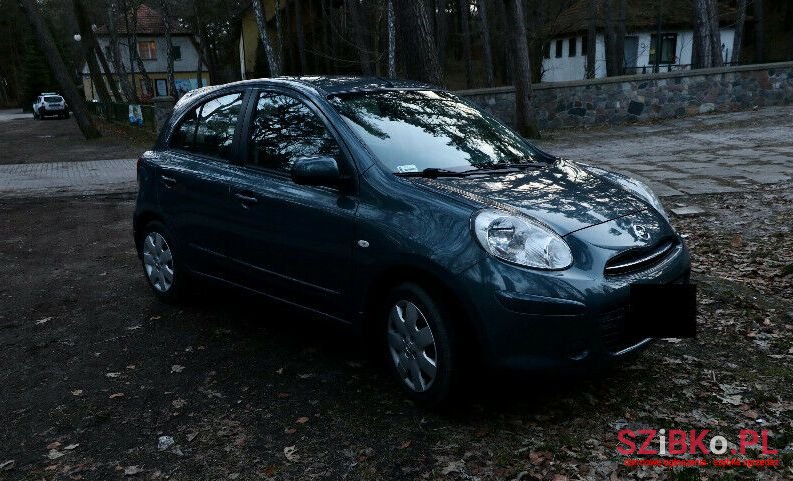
{"x": 409, "y": 214}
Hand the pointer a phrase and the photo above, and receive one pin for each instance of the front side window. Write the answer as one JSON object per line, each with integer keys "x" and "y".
{"x": 147, "y": 50}
{"x": 284, "y": 129}
{"x": 409, "y": 131}
{"x": 209, "y": 128}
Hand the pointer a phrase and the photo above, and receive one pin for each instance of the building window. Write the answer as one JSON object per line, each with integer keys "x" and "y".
{"x": 584, "y": 45}
{"x": 177, "y": 52}
{"x": 571, "y": 46}
{"x": 162, "y": 87}
{"x": 668, "y": 48}
{"x": 147, "y": 50}
{"x": 559, "y": 48}
{"x": 546, "y": 50}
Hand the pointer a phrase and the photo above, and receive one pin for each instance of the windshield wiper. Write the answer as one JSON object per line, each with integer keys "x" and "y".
{"x": 507, "y": 167}
{"x": 433, "y": 172}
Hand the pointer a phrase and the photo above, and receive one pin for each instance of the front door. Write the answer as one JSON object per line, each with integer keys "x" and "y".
{"x": 293, "y": 242}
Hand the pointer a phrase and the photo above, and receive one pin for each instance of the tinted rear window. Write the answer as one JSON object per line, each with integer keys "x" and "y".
{"x": 53, "y": 98}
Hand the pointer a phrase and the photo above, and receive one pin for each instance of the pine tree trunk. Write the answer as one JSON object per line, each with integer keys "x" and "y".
{"x": 524, "y": 113}
{"x": 418, "y": 24}
{"x": 465, "y": 32}
{"x": 591, "y": 40}
{"x": 87, "y": 46}
{"x": 166, "y": 20}
{"x": 717, "y": 56}
{"x": 759, "y": 28}
{"x": 737, "y": 41}
{"x": 487, "y": 48}
{"x": 359, "y": 35}
{"x": 621, "y": 32}
{"x": 301, "y": 38}
{"x": 391, "y": 26}
{"x": 58, "y": 67}
{"x": 261, "y": 24}
{"x": 441, "y": 30}
{"x": 118, "y": 61}
{"x": 702, "y": 57}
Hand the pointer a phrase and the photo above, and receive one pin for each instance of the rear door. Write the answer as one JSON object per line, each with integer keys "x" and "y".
{"x": 193, "y": 179}
{"x": 291, "y": 241}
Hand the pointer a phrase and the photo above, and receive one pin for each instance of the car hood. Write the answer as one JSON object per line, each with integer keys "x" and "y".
{"x": 563, "y": 195}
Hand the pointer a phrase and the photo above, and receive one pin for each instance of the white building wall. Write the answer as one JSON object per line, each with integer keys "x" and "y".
{"x": 188, "y": 62}
{"x": 574, "y": 68}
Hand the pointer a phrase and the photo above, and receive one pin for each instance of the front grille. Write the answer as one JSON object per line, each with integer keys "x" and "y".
{"x": 613, "y": 332}
{"x": 638, "y": 259}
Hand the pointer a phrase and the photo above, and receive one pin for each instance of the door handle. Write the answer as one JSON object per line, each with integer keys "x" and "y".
{"x": 246, "y": 199}
{"x": 168, "y": 181}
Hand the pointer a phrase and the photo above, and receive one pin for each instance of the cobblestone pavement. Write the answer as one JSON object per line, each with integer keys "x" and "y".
{"x": 67, "y": 178}
{"x": 700, "y": 155}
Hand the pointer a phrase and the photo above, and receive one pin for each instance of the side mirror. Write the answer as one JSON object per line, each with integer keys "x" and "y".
{"x": 316, "y": 171}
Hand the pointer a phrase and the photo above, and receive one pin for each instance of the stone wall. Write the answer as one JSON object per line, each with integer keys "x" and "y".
{"x": 626, "y": 99}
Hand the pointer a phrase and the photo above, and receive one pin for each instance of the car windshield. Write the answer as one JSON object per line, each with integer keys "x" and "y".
{"x": 416, "y": 131}
{"x": 53, "y": 98}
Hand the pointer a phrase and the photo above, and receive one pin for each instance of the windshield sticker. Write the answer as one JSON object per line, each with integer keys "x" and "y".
{"x": 407, "y": 168}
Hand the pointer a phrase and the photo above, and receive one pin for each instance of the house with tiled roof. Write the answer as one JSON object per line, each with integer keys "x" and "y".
{"x": 565, "y": 54}
{"x": 145, "y": 33}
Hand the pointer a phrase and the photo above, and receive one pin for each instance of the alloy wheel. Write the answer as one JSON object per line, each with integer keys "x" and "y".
{"x": 158, "y": 262}
{"x": 411, "y": 346}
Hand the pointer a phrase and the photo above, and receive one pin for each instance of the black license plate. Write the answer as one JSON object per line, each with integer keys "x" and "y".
{"x": 662, "y": 310}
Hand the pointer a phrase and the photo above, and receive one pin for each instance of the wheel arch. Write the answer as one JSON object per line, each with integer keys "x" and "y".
{"x": 139, "y": 221}
{"x": 435, "y": 283}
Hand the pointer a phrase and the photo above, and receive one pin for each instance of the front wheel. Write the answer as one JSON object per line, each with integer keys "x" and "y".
{"x": 161, "y": 263}
{"x": 421, "y": 347}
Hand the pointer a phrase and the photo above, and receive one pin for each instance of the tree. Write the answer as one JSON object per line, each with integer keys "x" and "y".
{"x": 524, "y": 116}
{"x": 88, "y": 44}
{"x": 59, "y": 70}
{"x": 391, "y": 27}
{"x": 118, "y": 63}
{"x": 261, "y": 23}
{"x": 759, "y": 28}
{"x": 465, "y": 33}
{"x": 707, "y": 39}
{"x": 417, "y": 24}
{"x": 591, "y": 37}
{"x": 359, "y": 35}
{"x": 487, "y": 49}
{"x": 737, "y": 41}
{"x": 167, "y": 20}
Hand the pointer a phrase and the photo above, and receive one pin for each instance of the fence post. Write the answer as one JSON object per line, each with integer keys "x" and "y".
{"x": 162, "y": 109}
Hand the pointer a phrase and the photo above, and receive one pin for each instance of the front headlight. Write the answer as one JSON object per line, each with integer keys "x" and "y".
{"x": 521, "y": 241}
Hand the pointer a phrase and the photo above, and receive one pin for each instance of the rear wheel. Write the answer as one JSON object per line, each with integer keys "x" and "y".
{"x": 421, "y": 347}
{"x": 161, "y": 263}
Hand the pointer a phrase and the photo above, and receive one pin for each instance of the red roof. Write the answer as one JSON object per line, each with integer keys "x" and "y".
{"x": 149, "y": 22}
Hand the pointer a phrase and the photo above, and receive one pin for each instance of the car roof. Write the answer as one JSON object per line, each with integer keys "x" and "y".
{"x": 324, "y": 85}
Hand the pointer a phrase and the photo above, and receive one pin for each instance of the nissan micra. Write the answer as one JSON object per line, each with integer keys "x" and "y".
{"x": 433, "y": 230}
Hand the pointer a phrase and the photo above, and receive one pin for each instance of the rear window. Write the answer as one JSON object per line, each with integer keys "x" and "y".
{"x": 53, "y": 98}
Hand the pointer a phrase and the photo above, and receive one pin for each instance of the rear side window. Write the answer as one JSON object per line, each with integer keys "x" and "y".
{"x": 209, "y": 128}
{"x": 284, "y": 129}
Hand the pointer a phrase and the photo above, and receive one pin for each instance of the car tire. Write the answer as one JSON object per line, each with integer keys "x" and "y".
{"x": 161, "y": 263}
{"x": 425, "y": 363}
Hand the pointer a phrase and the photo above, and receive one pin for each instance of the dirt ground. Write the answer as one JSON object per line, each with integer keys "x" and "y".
{"x": 95, "y": 371}
{"x": 27, "y": 141}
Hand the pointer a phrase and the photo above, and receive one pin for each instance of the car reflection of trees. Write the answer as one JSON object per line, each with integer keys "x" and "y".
{"x": 481, "y": 140}
{"x": 216, "y": 122}
{"x": 285, "y": 130}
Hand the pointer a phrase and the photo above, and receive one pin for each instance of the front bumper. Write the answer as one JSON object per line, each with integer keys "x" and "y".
{"x": 530, "y": 320}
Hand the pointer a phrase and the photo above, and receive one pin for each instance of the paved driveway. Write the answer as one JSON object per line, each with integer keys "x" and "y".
{"x": 698, "y": 155}
{"x": 701, "y": 155}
